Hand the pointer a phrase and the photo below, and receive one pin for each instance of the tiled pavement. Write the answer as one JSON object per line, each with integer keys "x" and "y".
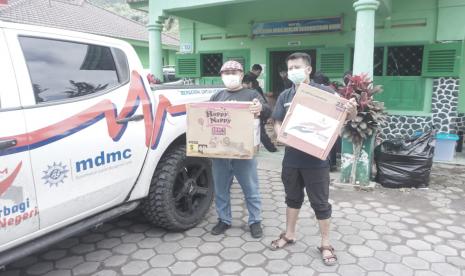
{"x": 384, "y": 232}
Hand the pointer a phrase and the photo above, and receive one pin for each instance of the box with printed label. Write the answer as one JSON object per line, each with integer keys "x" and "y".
{"x": 314, "y": 121}
{"x": 222, "y": 130}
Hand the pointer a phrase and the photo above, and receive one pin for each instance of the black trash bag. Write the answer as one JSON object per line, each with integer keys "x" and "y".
{"x": 405, "y": 163}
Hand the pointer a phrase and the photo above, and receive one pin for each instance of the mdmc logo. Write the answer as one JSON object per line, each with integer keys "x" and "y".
{"x": 103, "y": 159}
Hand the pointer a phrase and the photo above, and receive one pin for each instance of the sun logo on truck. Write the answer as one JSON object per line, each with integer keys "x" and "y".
{"x": 55, "y": 174}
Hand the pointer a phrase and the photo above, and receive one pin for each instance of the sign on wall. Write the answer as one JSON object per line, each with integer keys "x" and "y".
{"x": 186, "y": 48}
{"x": 295, "y": 27}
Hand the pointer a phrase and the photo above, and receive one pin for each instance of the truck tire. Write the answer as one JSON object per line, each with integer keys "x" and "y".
{"x": 181, "y": 191}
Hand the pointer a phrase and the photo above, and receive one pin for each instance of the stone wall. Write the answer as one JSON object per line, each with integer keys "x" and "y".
{"x": 444, "y": 115}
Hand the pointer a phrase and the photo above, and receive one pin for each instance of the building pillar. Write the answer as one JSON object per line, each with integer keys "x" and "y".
{"x": 155, "y": 27}
{"x": 364, "y": 36}
{"x": 363, "y": 64}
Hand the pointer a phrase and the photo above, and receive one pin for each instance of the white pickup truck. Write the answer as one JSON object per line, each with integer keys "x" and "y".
{"x": 83, "y": 139}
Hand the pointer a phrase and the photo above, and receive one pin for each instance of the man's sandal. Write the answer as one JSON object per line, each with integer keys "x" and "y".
{"x": 275, "y": 243}
{"x": 329, "y": 260}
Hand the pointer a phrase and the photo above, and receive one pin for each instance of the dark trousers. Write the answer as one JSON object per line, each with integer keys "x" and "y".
{"x": 316, "y": 183}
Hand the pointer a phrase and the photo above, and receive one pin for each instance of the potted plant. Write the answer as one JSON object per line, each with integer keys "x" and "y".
{"x": 370, "y": 117}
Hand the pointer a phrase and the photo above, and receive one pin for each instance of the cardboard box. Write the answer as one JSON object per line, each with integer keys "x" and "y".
{"x": 313, "y": 121}
{"x": 222, "y": 130}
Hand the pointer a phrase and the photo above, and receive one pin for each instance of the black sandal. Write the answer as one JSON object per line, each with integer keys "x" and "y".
{"x": 275, "y": 243}
{"x": 330, "y": 260}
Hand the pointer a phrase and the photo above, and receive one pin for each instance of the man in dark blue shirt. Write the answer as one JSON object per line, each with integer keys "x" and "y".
{"x": 302, "y": 171}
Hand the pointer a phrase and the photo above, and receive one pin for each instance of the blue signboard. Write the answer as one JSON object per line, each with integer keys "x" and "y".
{"x": 320, "y": 25}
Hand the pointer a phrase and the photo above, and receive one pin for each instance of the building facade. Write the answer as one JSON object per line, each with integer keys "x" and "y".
{"x": 413, "y": 48}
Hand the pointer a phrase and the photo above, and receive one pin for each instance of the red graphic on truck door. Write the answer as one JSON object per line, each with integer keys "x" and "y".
{"x": 137, "y": 96}
{"x": 6, "y": 183}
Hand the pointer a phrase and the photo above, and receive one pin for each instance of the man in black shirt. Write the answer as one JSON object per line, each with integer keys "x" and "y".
{"x": 302, "y": 171}
{"x": 252, "y": 77}
{"x": 284, "y": 84}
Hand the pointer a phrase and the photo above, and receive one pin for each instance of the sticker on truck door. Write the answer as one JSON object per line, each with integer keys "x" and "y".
{"x": 137, "y": 96}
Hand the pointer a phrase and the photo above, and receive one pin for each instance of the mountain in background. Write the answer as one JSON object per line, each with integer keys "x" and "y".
{"x": 120, "y": 7}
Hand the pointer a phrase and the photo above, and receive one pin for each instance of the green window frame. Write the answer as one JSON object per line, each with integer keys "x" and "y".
{"x": 333, "y": 62}
{"x": 188, "y": 65}
{"x": 442, "y": 60}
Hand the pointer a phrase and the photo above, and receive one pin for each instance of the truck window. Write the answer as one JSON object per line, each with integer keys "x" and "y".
{"x": 62, "y": 70}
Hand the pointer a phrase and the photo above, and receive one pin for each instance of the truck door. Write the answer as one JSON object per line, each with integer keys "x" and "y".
{"x": 85, "y": 120}
{"x": 18, "y": 205}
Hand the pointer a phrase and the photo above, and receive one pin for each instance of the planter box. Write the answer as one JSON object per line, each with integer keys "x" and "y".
{"x": 313, "y": 121}
{"x": 222, "y": 130}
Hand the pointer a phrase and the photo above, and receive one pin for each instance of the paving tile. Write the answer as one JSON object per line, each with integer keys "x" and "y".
{"x": 361, "y": 251}
{"x": 125, "y": 248}
{"x": 167, "y": 248}
{"x": 299, "y": 259}
{"x": 370, "y": 264}
{"x": 232, "y": 253}
{"x": 105, "y": 273}
{"x": 86, "y": 268}
{"x": 445, "y": 269}
{"x": 143, "y": 254}
{"x": 301, "y": 270}
{"x": 133, "y": 238}
{"x": 54, "y": 255}
{"x": 399, "y": 269}
{"x": 115, "y": 261}
{"x": 457, "y": 262}
{"x": 351, "y": 270}
{"x": 211, "y": 248}
{"x": 402, "y": 250}
{"x": 254, "y": 271}
{"x": 228, "y": 267}
{"x": 69, "y": 262}
{"x": 40, "y": 268}
{"x": 425, "y": 273}
{"x": 353, "y": 239}
{"x": 344, "y": 257}
{"x": 172, "y": 237}
{"x": 149, "y": 242}
{"x": 183, "y": 268}
{"x": 252, "y": 246}
{"x": 190, "y": 242}
{"x": 387, "y": 257}
{"x": 232, "y": 242}
{"x": 98, "y": 256}
{"x": 205, "y": 272}
{"x": 108, "y": 243}
{"x": 418, "y": 245}
{"x": 208, "y": 261}
{"x": 162, "y": 260}
{"x": 415, "y": 263}
{"x": 377, "y": 245}
{"x": 278, "y": 254}
{"x": 92, "y": 238}
{"x": 445, "y": 250}
{"x": 277, "y": 266}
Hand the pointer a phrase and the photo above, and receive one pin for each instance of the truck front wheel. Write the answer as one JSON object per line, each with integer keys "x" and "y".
{"x": 181, "y": 191}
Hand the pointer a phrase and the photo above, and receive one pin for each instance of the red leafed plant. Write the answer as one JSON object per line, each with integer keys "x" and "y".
{"x": 370, "y": 115}
{"x": 370, "y": 112}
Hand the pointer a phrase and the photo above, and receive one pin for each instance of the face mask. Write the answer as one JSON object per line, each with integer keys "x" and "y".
{"x": 231, "y": 82}
{"x": 297, "y": 76}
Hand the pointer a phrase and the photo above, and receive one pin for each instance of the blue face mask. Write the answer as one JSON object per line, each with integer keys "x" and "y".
{"x": 297, "y": 76}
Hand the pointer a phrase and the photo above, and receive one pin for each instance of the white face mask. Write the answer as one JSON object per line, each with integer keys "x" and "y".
{"x": 232, "y": 82}
{"x": 297, "y": 76}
